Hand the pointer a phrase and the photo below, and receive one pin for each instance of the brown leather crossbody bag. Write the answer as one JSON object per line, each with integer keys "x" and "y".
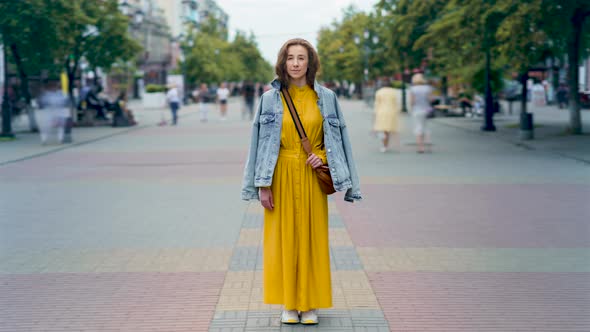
{"x": 323, "y": 172}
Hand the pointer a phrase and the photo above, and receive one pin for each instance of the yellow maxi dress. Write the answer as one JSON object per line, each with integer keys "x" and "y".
{"x": 296, "y": 252}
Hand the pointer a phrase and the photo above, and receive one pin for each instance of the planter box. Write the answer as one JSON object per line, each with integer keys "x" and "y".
{"x": 154, "y": 100}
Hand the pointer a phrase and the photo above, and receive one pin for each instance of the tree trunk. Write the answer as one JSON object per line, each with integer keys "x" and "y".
{"x": 24, "y": 86}
{"x": 24, "y": 80}
{"x": 573, "y": 74}
{"x": 488, "y": 124}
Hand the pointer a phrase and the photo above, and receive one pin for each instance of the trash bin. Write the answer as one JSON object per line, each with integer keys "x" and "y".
{"x": 527, "y": 128}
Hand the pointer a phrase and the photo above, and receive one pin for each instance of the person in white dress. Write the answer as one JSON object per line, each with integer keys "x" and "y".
{"x": 420, "y": 98}
{"x": 222, "y": 95}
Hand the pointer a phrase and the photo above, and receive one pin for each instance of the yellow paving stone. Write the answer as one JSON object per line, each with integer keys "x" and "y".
{"x": 475, "y": 259}
{"x": 120, "y": 260}
{"x": 339, "y": 237}
{"x": 250, "y": 237}
{"x": 236, "y": 291}
{"x": 338, "y": 298}
{"x": 356, "y": 288}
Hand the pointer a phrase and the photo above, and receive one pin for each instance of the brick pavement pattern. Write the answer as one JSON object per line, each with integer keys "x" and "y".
{"x": 143, "y": 230}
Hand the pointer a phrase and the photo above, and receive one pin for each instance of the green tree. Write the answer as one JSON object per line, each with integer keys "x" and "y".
{"x": 464, "y": 32}
{"x": 96, "y": 30}
{"x": 538, "y": 29}
{"x": 112, "y": 43}
{"x": 213, "y": 59}
{"x": 567, "y": 26}
{"x": 402, "y": 23}
{"x": 253, "y": 65}
{"x": 342, "y": 58}
{"x": 29, "y": 31}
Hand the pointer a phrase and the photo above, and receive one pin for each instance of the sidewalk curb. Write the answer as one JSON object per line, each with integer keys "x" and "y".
{"x": 514, "y": 142}
{"x": 92, "y": 140}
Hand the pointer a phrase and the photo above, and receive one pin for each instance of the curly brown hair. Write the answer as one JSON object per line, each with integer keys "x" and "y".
{"x": 313, "y": 63}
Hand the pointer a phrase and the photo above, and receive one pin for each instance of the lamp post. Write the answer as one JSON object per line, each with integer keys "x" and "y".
{"x": 366, "y": 51}
{"x": 405, "y": 90}
{"x": 488, "y": 124}
{"x": 190, "y": 44}
{"x": 6, "y": 109}
{"x": 135, "y": 18}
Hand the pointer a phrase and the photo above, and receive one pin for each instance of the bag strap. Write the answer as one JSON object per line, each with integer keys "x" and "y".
{"x": 298, "y": 125}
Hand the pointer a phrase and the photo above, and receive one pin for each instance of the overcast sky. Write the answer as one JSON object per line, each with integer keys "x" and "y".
{"x": 275, "y": 21}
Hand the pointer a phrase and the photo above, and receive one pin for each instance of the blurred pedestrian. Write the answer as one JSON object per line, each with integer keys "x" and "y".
{"x": 53, "y": 111}
{"x": 538, "y": 98}
{"x": 222, "y": 96}
{"x": 174, "y": 102}
{"x": 562, "y": 95}
{"x": 249, "y": 92}
{"x": 283, "y": 176}
{"x": 260, "y": 89}
{"x": 387, "y": 110}
{"x": 420, "y": 99}
{"x": 203, "y": 97}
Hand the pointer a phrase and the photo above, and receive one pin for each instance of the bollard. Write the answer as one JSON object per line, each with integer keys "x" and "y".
{"x": 527, "y": 129}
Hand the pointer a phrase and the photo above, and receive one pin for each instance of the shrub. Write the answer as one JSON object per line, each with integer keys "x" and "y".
{"x": 397, "y": 84}
{"x": 151, "y": 88}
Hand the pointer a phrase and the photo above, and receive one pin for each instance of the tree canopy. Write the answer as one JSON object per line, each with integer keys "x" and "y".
{"x": 210, "y": 58}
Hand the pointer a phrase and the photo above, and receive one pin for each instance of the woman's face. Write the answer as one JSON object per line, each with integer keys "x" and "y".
{"x": 297, "y": 60}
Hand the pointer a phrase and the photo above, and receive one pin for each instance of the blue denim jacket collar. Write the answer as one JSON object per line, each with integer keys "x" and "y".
{"x": 265, "y": 139}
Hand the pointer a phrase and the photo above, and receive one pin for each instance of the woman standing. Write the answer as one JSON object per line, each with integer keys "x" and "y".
{"x": 420, "y": 97}
{"x": 387, "y": 109}
{"x": 281, "y": 174}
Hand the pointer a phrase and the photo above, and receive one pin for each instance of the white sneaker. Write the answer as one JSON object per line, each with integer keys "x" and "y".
{"x": 289, "y": 317}
{"x": 309, "y": 317}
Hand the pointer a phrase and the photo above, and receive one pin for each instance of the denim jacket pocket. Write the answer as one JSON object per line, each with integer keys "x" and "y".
{"x": 267, "y": 122}
{"x": 335, "y": 128}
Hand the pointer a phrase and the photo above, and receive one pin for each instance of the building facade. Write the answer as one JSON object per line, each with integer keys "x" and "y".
{"x": 181, "y": 15}
{"x": 149, "y": 26}
{"x": 210, "y": 8}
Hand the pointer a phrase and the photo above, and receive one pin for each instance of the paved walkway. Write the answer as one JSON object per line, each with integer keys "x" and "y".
{"x": 144, "y": 231}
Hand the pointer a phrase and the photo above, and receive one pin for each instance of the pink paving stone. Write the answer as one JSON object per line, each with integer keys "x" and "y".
{"x": 100, "y": 165}
{"x": 484, "y": 301}
{"x": 498, "y": 215}
{"x": 192, "y": 130}
{"x": 105, "y": 301}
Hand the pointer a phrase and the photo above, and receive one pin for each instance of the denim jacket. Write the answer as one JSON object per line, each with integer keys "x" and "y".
{"x": 266, "y": 141}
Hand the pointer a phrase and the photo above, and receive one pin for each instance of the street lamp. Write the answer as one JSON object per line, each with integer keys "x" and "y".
{"x": 124, "y": 7}
{"x": 488, "y": 124}
{"x": 138, "y": 17}
{"x": 190, "y": 44}
{"x": 6, "y": 109}
{"x": 366, "y": 51}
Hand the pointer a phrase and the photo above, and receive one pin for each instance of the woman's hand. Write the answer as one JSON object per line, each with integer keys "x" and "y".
{"x": 314, "y": 161}
{"x": 266, "y": 198}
